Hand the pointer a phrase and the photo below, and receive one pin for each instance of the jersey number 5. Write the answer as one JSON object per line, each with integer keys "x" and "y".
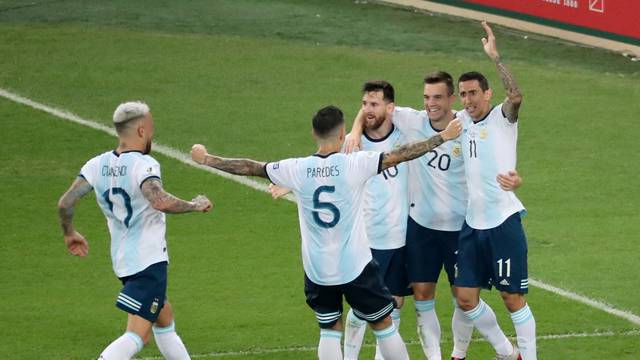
{"x": 317, "y": 204}
{"x": 127, "y": 202}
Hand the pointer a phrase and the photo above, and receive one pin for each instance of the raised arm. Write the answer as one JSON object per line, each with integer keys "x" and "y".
{"x": 167, "y": 203}
{"x": 76, "y": 243}
{"x": 416, "y": 149}
{"x": 245, "y": 167}
{"x": 353, "y": 142}
{"x": 511, "y": 104}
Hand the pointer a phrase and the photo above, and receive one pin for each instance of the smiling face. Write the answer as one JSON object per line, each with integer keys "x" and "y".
{"x": 437, "y": 100}
{"x": 475, "y": 100}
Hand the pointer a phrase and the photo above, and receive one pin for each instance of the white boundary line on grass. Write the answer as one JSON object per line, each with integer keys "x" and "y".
{"x": 185, "y": 158}
{"x": 263, "y": 351}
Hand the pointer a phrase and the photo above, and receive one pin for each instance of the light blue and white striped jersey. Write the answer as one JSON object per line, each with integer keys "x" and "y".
{"x": 489, "y": 149}
{"x": 386, "y": 203}
{"x": 329, "y": 191}
{"x": 437, "y": 187}
{"x": 137, "y": 229}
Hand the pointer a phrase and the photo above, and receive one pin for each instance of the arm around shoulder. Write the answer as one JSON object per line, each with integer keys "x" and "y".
{"x": 416, "y": 149}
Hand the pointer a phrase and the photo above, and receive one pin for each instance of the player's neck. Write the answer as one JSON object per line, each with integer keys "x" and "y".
{"x": 381, "y": 132}
{"x": 326, "y": 148}
{"x": 484, "y": 113}
{"x": 126, "y": 146}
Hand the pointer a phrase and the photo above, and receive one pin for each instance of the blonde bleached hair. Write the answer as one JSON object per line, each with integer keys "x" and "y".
{"x": 127, "y": 112}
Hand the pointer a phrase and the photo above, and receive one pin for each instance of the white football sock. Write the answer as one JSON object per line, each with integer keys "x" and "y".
{"x": 353, "y": 336}
{"x": 525, "y": 325}
{"x": 123, "y": 348}
{"x": 391, "y": 345}
{"x": 484, "y": 319}
{"x": 428, "y": 328}
{"x": 169, "y": 343}
{"x": 462, "y": 328}
{"x": 395, "y": 317}
{"x": 329, "y": 346}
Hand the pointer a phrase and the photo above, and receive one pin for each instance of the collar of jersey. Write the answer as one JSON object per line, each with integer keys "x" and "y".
{"x": 325, "y": 156}
{"x": 489, "y": 113}
{"x": 124, "y": 152}
{"x": 382, "y": 138}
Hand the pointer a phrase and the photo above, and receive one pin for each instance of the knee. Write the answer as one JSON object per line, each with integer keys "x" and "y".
{"x": 382, "y": 323}
{"x": 466, "y": 303}
{"x": 424, "y": 291}
{"x": 513, "y": 301}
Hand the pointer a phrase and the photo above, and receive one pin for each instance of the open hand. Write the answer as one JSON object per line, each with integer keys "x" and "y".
{"x": 509, "y": 181}
{"x": 277, "y": 191}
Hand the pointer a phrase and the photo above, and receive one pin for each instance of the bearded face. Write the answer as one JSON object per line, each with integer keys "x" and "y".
{"x": 375, "y": 109}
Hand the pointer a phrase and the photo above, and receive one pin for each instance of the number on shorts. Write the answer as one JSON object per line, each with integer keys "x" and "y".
{"x": 508, "y": 267}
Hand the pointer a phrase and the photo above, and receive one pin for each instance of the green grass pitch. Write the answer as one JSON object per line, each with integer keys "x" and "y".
{"x": 244, "y": 77}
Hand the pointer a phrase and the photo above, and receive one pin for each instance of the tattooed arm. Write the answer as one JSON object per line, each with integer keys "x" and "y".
{"x": 418, "y": 148}
{"x": 76, "y": 243}
{"x": 511, "y": 104}
{"x": 245, "y": 167}
{"x": 167, "y": 203}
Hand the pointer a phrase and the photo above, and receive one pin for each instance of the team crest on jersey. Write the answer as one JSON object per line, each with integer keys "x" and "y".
{"x": 456, "y": 151}
{"x": 150, "y": 170}
{"x": 484, "y": 133}
{"x": 276, "y": 166}
{"x": 154, "y": 306}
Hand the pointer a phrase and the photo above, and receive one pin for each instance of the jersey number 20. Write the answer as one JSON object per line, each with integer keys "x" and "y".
{"x": 317, "y": 204}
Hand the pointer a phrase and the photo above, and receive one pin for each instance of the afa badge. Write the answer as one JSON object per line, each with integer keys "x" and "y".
{"x": 154, "y": 306}
{"x": 484, "y": 133}
{"x": 456, "y": 150}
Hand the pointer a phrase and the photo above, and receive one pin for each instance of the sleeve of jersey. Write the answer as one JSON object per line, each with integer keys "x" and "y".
{"x": 147, "y": 170}
{"x": 366, "y": 164}
{"x": 88, "y": 171}
{"x": 283, "y": 173}
{"x": 504, "y": 116}
{"x": 402, "y": 118}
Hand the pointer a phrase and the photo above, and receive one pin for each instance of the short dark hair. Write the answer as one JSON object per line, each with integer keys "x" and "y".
{"x": 438, "y": 77}
{"x": 474, "y": 75}
{"x": 326, "y": 120}
{"x": 388, "y": 93}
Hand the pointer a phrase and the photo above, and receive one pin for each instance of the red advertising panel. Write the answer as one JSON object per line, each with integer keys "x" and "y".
{"x": 620, "y": 17}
